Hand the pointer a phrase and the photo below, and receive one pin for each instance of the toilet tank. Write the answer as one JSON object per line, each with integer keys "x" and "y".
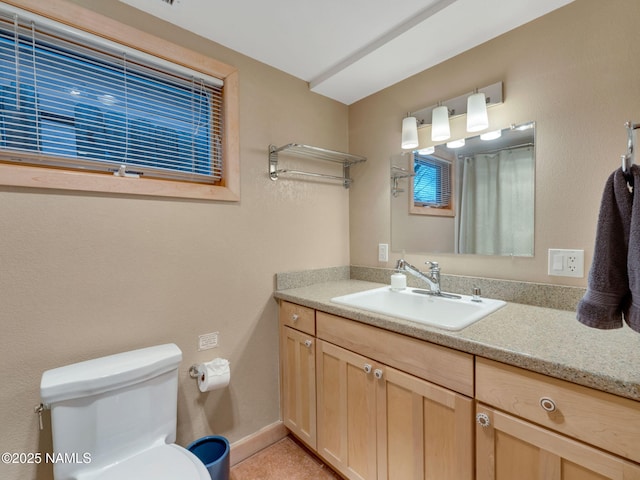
{"x": 110, "y": 408}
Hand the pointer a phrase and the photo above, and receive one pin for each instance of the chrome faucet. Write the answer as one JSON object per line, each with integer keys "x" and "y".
{"x": 432, "y": 278}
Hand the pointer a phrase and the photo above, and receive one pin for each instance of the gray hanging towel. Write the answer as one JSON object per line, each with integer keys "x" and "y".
{"x": 632, "y": 313}
{"x": 608, "y": 294}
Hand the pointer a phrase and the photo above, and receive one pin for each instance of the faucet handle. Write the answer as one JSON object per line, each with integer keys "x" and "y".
{"x": 476, "y": 295}
{"x": 433, "y": 265}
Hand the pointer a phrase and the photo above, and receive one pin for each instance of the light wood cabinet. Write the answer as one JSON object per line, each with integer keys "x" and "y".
{"x": 299, "y": 384}
{"x": 437, "y": 364}
{"x": 543, "y": 428}
{"x": 378, "y": 405}
{"x": 375, "y": 421}
{"x": 510, "y": 448}
{"x": 298, "y": 317}
{"x": 346, "y": 405}
{"x": 298, "y": 371}
{"x": 424, "y": 431}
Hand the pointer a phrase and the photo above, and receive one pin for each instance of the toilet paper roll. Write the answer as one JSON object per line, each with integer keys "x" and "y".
{"x": 213, "y": 375}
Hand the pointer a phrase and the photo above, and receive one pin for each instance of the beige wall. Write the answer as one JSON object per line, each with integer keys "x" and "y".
{"x": 575, "y": 72}
{"x": 85, "y": 275}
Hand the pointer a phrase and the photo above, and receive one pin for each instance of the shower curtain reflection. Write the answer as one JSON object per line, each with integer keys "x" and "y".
{"x": 497, "y": 203}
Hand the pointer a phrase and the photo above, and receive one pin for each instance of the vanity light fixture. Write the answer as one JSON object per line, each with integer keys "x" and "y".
{"x": 473, "y": 104}
{"x": 477, "y": 118}
{"x": 440, "y": 129}
{"x": 409, "y": 132}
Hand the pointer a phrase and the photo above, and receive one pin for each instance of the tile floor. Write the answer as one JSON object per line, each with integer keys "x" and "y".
{"x": 284, "y": 460}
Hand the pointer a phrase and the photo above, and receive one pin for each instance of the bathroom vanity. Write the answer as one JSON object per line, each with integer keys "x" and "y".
{"x": 525, "y": 393}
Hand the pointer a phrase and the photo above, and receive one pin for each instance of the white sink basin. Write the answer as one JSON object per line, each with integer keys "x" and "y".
{"x": 410, "y": 304}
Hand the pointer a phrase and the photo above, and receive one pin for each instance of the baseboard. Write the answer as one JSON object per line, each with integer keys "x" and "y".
{"x": 251, "y": 444}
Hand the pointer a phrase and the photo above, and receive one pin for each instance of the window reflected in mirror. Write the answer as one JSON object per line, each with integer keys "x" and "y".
{"x": 432, "y": 185}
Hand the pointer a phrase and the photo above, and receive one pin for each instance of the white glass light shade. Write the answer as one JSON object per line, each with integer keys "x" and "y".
{"x": 440, "y": 124}
{"x": 409, "y": 133}
{"x": 427, "y": 151}
{"x": 456, "y": 143}
{"x": 491, "y": 135}
{"x": 477, "y": 118}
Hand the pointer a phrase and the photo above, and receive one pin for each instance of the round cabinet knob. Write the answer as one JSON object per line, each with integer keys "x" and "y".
{"x": 367, "y": 368}
{"x": 308, "y": 343}
{"x": 483, "y": 420}
{"x": 547, "y": 404}
{"x": 377, "y": 373}
{"x": 295, "y": 317}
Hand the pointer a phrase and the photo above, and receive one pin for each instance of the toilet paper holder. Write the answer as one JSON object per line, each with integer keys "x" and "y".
{"x": 194, "y": 371}
{"x": 212, "y": 375}
{"x": 197, "y": 369}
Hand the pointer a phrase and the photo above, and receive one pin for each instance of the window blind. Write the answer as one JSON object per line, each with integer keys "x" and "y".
{"x": 73, "y": 101}
{"x": 432, "y": 181}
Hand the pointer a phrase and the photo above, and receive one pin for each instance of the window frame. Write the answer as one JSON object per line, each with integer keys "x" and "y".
{"x": 228, "y": 189}
{"x": 420, "y": 209}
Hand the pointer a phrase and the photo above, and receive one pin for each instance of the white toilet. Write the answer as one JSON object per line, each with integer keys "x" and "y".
{"x": 114, "y": 418}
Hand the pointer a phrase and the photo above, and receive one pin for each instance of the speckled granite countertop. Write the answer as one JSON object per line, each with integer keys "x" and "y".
{"x": 542, "y": 340}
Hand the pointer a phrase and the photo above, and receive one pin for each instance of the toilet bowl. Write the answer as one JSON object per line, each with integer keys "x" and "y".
{"x": 164, "y": 462}
{"x": 115, "y": 417}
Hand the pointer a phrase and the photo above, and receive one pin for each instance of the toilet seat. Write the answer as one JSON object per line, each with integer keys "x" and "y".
{"x": 164, "y": 462}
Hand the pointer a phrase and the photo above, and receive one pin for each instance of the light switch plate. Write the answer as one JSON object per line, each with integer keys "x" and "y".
{"x": 383, "y": 252}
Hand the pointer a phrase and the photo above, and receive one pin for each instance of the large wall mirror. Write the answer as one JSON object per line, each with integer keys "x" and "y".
{"x": 490, "y": 201}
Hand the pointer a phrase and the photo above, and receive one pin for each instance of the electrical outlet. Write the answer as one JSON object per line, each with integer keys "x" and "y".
{"x": 566, "y": 263}
{"x": 383, "y": 252}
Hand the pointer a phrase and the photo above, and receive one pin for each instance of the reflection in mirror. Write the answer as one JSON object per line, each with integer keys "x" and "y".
{"x": 492, "y": 195}
{"x": 432, "y": 189}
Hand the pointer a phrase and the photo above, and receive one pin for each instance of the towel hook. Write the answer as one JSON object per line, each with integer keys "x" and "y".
{"x": 629, "y": 158}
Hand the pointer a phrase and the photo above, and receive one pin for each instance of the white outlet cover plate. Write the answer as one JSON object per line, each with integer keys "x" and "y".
{"x": 383, "y": 252}
{"x": 207, "y": 341}
{"x": 566, "y": 262}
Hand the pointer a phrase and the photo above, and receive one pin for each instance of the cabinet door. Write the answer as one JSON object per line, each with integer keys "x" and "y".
{"x": 508, "y": 448}
{"x": 299, "y": 384}
{"x": 425, "y": 432}
{"x": 346, "y": 411}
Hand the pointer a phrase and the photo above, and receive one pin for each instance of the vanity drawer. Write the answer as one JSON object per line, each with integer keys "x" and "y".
{"x": 298, "y": 317}
{"x": 437, "y": 364}
{"x": 598, "y": 418}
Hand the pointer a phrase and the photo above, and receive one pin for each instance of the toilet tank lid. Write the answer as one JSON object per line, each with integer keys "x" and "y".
{"x": 99, "y": 375}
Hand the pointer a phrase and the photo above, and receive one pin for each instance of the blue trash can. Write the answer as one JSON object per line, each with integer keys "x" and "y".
{"x": 213, "y": 451}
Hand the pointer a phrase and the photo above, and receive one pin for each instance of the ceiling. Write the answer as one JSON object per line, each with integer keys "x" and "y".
{"x": 349, "y": 49}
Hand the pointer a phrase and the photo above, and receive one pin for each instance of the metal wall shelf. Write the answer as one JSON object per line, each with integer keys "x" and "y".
{"x": 315, "y": 153}
{"x": 398, "y": 173}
